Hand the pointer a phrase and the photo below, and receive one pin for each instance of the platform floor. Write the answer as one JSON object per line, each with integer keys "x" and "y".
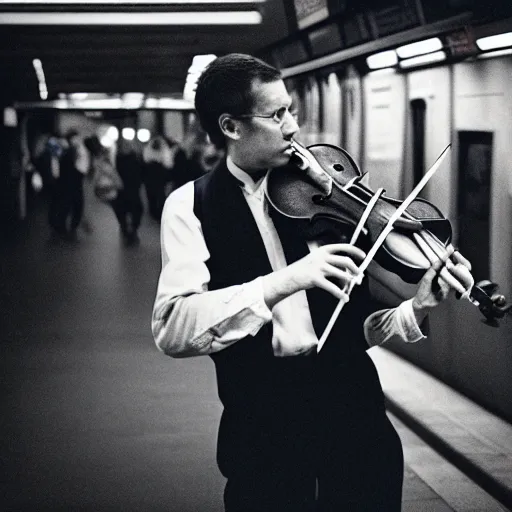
{"x": 94, "y": 418}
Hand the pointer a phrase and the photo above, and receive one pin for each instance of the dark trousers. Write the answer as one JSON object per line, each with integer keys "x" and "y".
{"x": 360, "y": 475}
{"x": 155, "y": 190}
{"x": 128, "y": 210}
{"x": 66, "y": 206}
{"x": 327, "y": 446}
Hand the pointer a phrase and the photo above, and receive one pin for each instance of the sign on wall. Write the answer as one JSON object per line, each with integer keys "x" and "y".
{"x": 309, "y": 12}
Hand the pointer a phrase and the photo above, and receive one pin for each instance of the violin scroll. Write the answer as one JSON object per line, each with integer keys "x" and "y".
{"x": 492, "y": 304}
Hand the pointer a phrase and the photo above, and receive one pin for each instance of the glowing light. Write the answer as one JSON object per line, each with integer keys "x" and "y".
{"x": 78, "y": 96}
{"x": 132, "y": 18}
{"x": 112, "y": 133}
{"x": 38, "y": 67}
{"x": 143, "y": 134}
{"x": 128, "y": 133}
{"x": 382, "y": 60}
{"x": 423, "y": 59}
{"x": 419, "y": 48}
{"x": 496, "y": 41}
{"x": 497, "y": 53}
{"x": 132, "y": 2}
{"x": 199, "y": 63}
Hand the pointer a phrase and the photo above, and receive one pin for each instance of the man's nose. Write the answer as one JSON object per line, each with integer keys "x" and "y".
{"x": 290, "y": 126}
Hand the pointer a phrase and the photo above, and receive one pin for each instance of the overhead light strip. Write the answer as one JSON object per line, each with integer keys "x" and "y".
{"x": 495, "y": 42}
{"x": 132, "y": 18}
{"x": 38, "y": 67}
{"x": 127, "y": 2}
{"x": 381, "y": 60}
{"x": 108, "y": 104}
{"x": 422, "y": 60}
{"x": 433, "y": 44}
{"x": 496, "y": 53}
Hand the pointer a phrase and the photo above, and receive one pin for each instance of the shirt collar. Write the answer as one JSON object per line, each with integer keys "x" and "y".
{"x": 250, "y": 186}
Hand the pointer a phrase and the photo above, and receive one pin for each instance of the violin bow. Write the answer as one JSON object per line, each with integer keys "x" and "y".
{"x": 380, "y": 240}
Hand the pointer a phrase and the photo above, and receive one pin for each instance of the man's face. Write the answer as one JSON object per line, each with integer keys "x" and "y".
{"x": 265, "y": 143}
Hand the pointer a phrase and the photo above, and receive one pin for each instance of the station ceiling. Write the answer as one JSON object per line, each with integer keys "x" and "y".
{"x": 120, "y": 59}
{"x": 154, "y": 57}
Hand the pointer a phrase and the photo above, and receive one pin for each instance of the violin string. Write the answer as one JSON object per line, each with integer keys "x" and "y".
{"x": 448, "y": 251}
{"x": 434, "y": 256}
{"x": 435, "y": 247}
{"x": 366, "y": 214}
{"x": 347, "y": 289}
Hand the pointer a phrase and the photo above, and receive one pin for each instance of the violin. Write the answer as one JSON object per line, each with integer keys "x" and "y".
{"x": 323, "y": 183}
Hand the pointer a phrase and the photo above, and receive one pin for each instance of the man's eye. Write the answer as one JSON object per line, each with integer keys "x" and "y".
{"x": 279, "y": 114}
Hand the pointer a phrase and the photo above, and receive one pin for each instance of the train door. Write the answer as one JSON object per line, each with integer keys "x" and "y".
{"x": 429, "y": 132}
{"x": 352, "y": 107}
{"x": 418, "y": 108}
{"x": 474, "y": 173}
{"x": 332, "y": 110}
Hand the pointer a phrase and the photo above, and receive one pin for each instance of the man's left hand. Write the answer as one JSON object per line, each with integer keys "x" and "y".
{"x": 442, "y": 279}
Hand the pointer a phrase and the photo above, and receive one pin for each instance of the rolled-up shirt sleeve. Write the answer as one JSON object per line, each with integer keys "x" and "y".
{"x": 188, "y": 319}
{"x": 386, "y": 324}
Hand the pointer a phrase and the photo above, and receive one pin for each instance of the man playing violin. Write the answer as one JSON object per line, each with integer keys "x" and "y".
{"x": 301, "y": 430}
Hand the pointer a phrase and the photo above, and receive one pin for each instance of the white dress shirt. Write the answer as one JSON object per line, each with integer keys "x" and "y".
{"x": 188, "y": 319}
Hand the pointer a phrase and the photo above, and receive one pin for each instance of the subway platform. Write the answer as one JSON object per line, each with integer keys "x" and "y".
{"x": 94, "y": 418}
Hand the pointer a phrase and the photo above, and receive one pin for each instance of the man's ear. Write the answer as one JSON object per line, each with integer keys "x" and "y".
{"x": 229, "y": 127}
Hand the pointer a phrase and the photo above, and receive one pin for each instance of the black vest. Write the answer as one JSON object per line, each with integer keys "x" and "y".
{"x": 254, "y": 386}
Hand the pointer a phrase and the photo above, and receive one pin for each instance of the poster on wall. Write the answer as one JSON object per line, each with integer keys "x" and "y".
{"x": 383, "y": 120}
{"x": 309, "y": 12}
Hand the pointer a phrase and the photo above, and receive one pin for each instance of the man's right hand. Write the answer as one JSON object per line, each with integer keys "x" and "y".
{"x": 321, "y": 266}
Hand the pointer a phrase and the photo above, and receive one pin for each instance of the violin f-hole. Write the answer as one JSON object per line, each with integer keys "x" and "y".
{"x": 320, "y": 199}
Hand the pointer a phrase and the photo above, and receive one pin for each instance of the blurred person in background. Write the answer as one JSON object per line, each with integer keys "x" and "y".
{"x": 195, "y": 157}
{"x": 158, "y": 157}
{"x": 74, "y": 166}
{"x": 46, "y": 158}
{"x": 128, "y": 205}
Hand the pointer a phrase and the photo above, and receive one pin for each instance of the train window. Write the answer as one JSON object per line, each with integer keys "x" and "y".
{"x": 418, "y": 113}
{"x": 474, "y": 200}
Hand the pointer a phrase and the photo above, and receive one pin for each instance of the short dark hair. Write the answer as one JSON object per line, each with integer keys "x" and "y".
{"x": 225, "y": 86}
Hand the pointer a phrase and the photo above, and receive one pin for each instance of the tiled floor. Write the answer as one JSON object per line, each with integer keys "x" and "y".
{"x": 94, "y": 418}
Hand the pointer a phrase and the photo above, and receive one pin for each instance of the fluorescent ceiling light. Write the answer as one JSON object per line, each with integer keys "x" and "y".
{"x": 38, "y": 67}
{"x": 383, "y": 71}
{"x": 382, "y": 60}
{"x": 423, "y": 59}
{"x": 110, "y": 103}
{"x": 497, "y": 41}
{"x": 128, "y": 2}
{"x": 497, "y": 53}
{"x": 143, "y": 134}
{"x": 112, "y": 133}
{"x": 419, "y": 48}
{"x": 132, "y": 18}
{"x": 199, "y": 62}
{"x": 128, "y": 133}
